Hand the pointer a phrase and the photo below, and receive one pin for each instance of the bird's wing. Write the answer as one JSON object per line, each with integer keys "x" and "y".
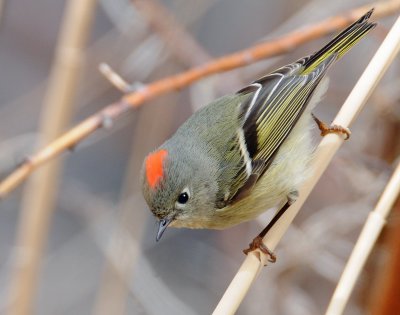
{"x": 274, "y": 105}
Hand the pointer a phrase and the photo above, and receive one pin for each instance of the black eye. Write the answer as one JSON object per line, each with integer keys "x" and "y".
{"x": 183, "y": 198}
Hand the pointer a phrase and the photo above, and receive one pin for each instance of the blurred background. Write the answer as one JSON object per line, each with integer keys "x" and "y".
{"x": 100, "y": 254}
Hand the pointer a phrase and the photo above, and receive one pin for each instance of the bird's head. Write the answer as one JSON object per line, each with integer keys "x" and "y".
{"x": 178, "y": 189}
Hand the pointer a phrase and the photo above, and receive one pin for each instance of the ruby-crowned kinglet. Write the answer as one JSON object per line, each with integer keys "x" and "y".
{"x": 245, "y": 152}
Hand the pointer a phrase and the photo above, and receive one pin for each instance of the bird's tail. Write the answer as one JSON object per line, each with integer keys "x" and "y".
{"x": 341, "y": 44}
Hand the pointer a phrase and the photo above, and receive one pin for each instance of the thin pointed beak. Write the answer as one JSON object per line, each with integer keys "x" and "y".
{"x": 163, "y": 224}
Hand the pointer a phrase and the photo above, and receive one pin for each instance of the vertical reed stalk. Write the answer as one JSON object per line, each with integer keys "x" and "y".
{"x": 40, "y": 194}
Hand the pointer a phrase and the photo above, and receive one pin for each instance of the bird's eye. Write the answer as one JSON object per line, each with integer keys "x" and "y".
{"x": 183, "y": 198}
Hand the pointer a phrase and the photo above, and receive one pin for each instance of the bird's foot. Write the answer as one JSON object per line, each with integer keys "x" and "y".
{"x": 325, "y": 128}
{"x": 257, "y": 243}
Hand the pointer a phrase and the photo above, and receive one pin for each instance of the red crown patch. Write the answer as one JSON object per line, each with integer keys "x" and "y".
{"x": 154, "y": 167}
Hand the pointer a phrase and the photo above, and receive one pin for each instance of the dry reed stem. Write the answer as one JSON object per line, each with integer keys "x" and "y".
{"x": 132, "y": 100}
{"x": 323, "y": 155}
{"x": 38, "y": 201}
{"x": 366, "y": 241}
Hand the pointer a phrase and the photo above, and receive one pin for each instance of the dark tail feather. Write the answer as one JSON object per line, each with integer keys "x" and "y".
{"x": 342, "y": 43}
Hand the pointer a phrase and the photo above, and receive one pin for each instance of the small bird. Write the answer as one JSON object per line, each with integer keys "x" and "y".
{"x": 247, "y": 152}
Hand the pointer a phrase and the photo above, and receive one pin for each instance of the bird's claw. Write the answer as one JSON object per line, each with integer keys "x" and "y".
{"x": 258, "y": 243}
{"x": 325, "y": 128}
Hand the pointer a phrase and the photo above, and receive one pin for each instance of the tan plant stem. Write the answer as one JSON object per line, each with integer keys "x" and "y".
{"x": 40, "y": 194}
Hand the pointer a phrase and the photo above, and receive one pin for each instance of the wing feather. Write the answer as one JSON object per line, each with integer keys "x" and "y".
{"x": 275, "y": 104}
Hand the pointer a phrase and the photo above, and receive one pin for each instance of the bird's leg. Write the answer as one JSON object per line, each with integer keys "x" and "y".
{"x": 257, "y": 242}
{"x": 325, "y": 129}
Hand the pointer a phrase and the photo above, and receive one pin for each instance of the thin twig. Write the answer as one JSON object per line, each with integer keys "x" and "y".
{"x": 114, "y": 78}
{"x": 272, "y": 48}
{"x": 39, "y": 197}
{"x": 323, "y": 155}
